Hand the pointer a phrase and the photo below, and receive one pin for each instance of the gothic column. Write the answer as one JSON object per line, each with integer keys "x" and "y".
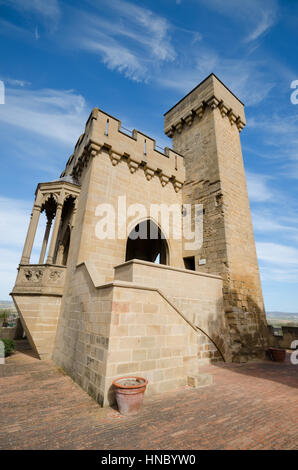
{"x": 45, "y": 241}
{"x": 31, "y": 233}
{"x": 55, "y": 234}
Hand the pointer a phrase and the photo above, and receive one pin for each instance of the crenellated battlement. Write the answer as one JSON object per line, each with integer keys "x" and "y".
{"x": 104, "y": 131}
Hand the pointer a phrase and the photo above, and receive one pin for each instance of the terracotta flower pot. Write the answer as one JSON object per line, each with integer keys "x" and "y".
{"x": 277, "y": 355}
{"x": 129, "y": 394}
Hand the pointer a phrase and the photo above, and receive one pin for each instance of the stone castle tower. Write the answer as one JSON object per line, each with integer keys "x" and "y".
{"x": 205, "y": 127}
{"x": 119, "y": 305}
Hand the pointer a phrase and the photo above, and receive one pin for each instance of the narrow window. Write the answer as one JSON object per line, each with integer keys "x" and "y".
{"x": 189, "y": 263}
{"x": 107, "y": 128}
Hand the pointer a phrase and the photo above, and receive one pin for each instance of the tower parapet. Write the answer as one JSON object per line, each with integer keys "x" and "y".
{"x": 137, "y": 149}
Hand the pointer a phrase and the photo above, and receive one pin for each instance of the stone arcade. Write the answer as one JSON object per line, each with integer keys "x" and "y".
{"x": 103, "y": 308}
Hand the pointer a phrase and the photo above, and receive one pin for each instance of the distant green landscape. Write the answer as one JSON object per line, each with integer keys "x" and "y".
{"x": 282, "y": 318}
{"x": 7, "y": 305}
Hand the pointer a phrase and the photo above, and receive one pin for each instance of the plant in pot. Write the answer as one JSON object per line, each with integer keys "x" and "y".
{"x": 129, "y": 393}
{"x": 9, "y": 346}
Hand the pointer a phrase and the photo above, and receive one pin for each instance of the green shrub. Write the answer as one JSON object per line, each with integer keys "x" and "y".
{"x": 9, "y": 346}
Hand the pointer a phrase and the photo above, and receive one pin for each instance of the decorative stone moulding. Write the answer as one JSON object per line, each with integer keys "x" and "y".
{"x": 164, "y": 179}
{"x": 199, "y": 111}
{"x": 149, "y": 172}
{"x": 213, "y": 102}
{"x": 239, "y": 124}
{"x": 137, "y": 150}
{"x": 90, "y": 150}
{"x": 170, "y": 131}
{"x": 179, "y": 126}
{"x": 188, "y": 119}
{"x": 115, "y": 158}
{"x": 132, "y": 165}
{"x": 223, "y": 109}
{"x": 232, "y": 117}
{"x": 177, "y": 185}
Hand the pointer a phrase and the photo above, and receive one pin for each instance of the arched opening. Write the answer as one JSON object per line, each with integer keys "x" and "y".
{"x": 147, "y": 242}
{"x": 63, "y": 241}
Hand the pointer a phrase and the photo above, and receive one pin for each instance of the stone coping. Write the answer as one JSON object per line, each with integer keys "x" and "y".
{"x": 169, "y": 268}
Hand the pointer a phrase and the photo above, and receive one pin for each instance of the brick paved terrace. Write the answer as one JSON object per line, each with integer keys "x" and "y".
{"x": 249, "y": 406}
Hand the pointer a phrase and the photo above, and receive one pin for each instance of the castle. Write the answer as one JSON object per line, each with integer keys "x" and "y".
{"x": 104, "y": 307}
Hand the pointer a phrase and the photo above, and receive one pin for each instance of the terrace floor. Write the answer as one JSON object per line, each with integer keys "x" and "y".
{"x": 249, "y": 406}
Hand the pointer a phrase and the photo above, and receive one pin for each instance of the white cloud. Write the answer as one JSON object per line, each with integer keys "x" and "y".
{"x": 278, "y": 262}
{"x": 49, "y": 8}
{"x": 277, "y": 254}
{"x": 135, "y": 41}
{"x": 14, "y": 82}
{"x": 256, "y": 16}
{"x": 15, "y": 218}
{"x": 257, "y": 186}
{"x": 55, "y": 114}
{"x": 117, "y": 58}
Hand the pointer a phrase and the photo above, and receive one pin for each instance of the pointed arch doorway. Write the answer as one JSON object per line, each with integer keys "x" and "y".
{"x": 147, "y": 242}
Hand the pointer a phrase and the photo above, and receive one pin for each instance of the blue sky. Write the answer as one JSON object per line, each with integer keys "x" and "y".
{"x": 135, "y": 60}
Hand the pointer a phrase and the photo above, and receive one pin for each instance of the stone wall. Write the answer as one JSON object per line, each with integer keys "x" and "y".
{"x": 205, "y": 128}
{"x": 119, "y": 329}
{"x": 198, "y": 296}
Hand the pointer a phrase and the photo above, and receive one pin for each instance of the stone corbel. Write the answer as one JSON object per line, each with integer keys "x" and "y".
{"x": 170, "y": 132}
{"x": 179, "y": 126}
{"x": 213, "y": 102}
{"x": 149, "y": 172}
{"x": 164, "y": 179}
{"x": 199, "y": 111}
{"x": 240, "y": 124}
{"x": 232, "y": 117}
{"x": 188, "y": 119}
{"x": 177, "y": 185}
{"x": 223, "y": 109}
{"x": 132, "y": 165}
{"x": 115, "y": 158}
{"x": 93, "y": 149}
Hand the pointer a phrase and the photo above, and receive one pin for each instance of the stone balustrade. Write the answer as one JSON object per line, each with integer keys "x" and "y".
{"x": 40, "y": 279}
